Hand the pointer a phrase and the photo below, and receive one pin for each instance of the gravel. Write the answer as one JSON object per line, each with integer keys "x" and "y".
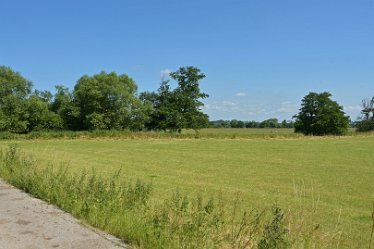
{"x": 29, "y": 223}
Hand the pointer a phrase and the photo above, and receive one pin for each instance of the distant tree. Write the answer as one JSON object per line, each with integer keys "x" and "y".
{"x": 319, "y": 115}
{"x": 217, "y": 123}
{"x": 286, "y": 124}
{"x": 269, "y": 123}
{"x": 234, "y": 123}
{"x": 252, "y": 124}
{"x": 188, "y": 96}
{"x": 104, "y": 101}
{"x": 241, "y": 124}
{"x": 367, "y": 121}
{"x": 368, "y": 109}
{"x": 177, "y": 109}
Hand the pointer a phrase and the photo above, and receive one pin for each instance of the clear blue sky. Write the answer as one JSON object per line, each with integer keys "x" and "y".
{"x": 260, "y": 57}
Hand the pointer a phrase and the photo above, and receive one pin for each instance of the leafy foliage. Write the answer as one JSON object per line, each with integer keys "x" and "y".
{"x": 104, "y": 100}
{"x": 13, "y": 83}
{"x": 21, "y": 112}
{"x": 367, "y": 122}
{"x": 275, "y": 233}
{"x": 319, "y": 115}
{"x": 176, "y": 109}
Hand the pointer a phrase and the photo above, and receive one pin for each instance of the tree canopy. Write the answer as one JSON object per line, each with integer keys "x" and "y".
{"x": 21, "y": 111}
{"x": 177, "y": 109}
{"x": 319, "y": 115}
{"x": 102, "y": 101}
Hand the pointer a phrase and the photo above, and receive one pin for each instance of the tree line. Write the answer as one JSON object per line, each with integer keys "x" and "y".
{"x": 111, "y": 101}
{"x": 268, "y": 123}
{"x": 102, "y": 101}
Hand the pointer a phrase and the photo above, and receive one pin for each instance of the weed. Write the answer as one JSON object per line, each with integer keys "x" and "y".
{"x": 275, "y": 233}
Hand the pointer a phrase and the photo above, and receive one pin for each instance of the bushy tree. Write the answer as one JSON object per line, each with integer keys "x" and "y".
{"x": 101, "y": 101}
{"x": 38, "y": 115}
{"x": 21, "y": 111}
{"x": 14, "y": 89}
{"x": 13, "y": 83}
{"x": 177, "y": 109}
{"x": 269, "y": 123}
{"x": 13, "y": 115}
{"x": 166, "y": 114}
{"x": 104, "y": 100}
{"x": 319, "y": 115}
{"x": 188, "y": 97}
{"x": 63, "y": 104}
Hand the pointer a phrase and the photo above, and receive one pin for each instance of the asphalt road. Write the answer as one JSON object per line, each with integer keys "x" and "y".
{"x": 29, "y": 223}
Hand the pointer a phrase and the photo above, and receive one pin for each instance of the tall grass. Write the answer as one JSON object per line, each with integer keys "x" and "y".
{"x": 126, "y": 134}
{"x": 124, "y": 209}
{"x": 208, "y": 133}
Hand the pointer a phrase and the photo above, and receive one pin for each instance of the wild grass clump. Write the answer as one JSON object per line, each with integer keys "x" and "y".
{"x": 125, "y": 209}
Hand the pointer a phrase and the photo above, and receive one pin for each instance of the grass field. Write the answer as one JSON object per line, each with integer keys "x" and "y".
{"x": 331, "y": 176}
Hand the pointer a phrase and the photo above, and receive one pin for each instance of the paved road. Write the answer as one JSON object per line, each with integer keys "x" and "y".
{"x": 29, "y": 223}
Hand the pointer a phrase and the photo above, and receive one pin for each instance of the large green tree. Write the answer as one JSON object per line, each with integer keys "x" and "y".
{"x": 38, "y": 115}
{"x": 13, "y": 83}
{"x": 319, "y": 115}
{"x": 188, "y": 97}
{"x": 63, "y": 104}
{"x": 21, "y": 111}
{"x": 180, "y": 108}
{"x": 105, "y": 101}
{"x": 14, "y": 89}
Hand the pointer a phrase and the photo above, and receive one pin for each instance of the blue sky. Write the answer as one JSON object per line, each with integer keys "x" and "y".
{"x": 260, "y": 57}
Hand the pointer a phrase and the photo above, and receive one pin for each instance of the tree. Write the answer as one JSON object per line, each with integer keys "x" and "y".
{"x": 63, "y": 104}
{"x": 38, "y": 115}
{"x": 319, "y": 115}
{"x": 21, "y": 112}
{"x": 367, "y": 120}
{"x": 252, "y": 124}
{"x": 368, "y": 109}
{"x": 13, "y": 83}
{"x": 177, "y": 109}
{"x": 13, "y": 115}
{"x": 187, "y": 97}
{"x": 104, "y": 101}
{"x": 14, "y": 89}
{"x": 269, "y": 123}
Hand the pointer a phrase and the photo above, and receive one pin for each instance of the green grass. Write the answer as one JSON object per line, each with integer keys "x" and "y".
{"x": 123, "y": 209}
{"x": 327, "y": 182}
{"x": 231, "y": 133}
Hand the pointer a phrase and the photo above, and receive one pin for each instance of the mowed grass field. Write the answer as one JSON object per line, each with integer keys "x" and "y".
{"x": 332, "y": 177}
